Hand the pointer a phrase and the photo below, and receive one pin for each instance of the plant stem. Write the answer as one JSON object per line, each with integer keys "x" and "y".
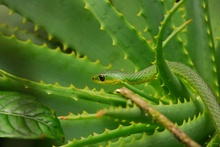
{"x": 158, "y": 117}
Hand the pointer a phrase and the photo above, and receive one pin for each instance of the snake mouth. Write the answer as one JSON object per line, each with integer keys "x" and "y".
{"x": 98, "y": 79}
{"x": 102, "y": 79}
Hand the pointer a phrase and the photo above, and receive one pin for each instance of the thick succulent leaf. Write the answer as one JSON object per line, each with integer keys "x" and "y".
{"x": 152, "y": 19}
{"x": 83, "y": 125}
{"x": 218, "y": 60}
{"x": 27, "y": 58}
{"x": 213, "y": 7}
{"x": 165, "y": 138}
{"x": 111, "y": 134}
{"x": 21, "y": 116}
{"x": 123, "y": 34}
{"x": 11, "y": 82}
{"x": 200, "y": 43}
{"x": 73, "y": 26}
{"x": 140, "y": 134}
{"x": 133, "y": 17}
{"x": 24, "y": 36}
{"x": 39, "y": 63}
{"x": 171, "y": 111}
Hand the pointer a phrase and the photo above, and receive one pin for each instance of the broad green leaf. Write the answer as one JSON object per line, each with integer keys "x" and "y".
{"x": 21, "y": 116}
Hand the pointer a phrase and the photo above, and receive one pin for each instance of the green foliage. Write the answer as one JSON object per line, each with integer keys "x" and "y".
{"x": 22, "y": 110}
{"x": 49, "y": 50}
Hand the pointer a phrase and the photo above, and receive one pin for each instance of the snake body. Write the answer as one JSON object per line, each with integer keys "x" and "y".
{"x": 181, "y": 70}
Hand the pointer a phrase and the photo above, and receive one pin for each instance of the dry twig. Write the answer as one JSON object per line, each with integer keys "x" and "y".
{"x": 158, "y": 117}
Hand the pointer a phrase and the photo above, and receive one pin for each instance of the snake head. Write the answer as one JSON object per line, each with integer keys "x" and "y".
{"x": 99, "y": 78}
{"x": 107, "y": 77}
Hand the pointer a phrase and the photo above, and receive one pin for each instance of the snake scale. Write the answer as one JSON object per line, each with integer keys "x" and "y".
{"x": 181, "y": 70}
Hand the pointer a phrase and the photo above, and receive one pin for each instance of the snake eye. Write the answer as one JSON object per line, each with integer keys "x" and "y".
{"x": 101, "y": 78}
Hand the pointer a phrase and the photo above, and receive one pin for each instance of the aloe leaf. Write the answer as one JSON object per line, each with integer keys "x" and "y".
{"x": 213, "y": 7}
{"x": 29, "y": 64}
{"x": 202, "y": 46}
{"x": 193, "y": 127}
{"x": 24, "y": 36}
{"x": 175, "y": 32}
{"x": 122, "y": 33}
{"x": 110, "y": 134}
{"x": 47, "y": 67}
{"x": 83, "y": 125}
{"x": 218, "y": 60}
{"x": 8, "y": 81}
{"x": 133, "y": 17}
{"x": 152, "y": 19}
{"x": 21, "y": 116}
{"x": 75, "y": 27}
{"x": 141, "y": 134}
{"x": 171, "y": 111}
{"x": 168, "y": 77}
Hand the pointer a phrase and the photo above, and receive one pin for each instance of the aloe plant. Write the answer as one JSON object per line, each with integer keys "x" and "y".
{"x": 50, "y": 50}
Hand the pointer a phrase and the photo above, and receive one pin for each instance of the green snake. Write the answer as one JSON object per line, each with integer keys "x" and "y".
{"x": 181, "y": 70}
